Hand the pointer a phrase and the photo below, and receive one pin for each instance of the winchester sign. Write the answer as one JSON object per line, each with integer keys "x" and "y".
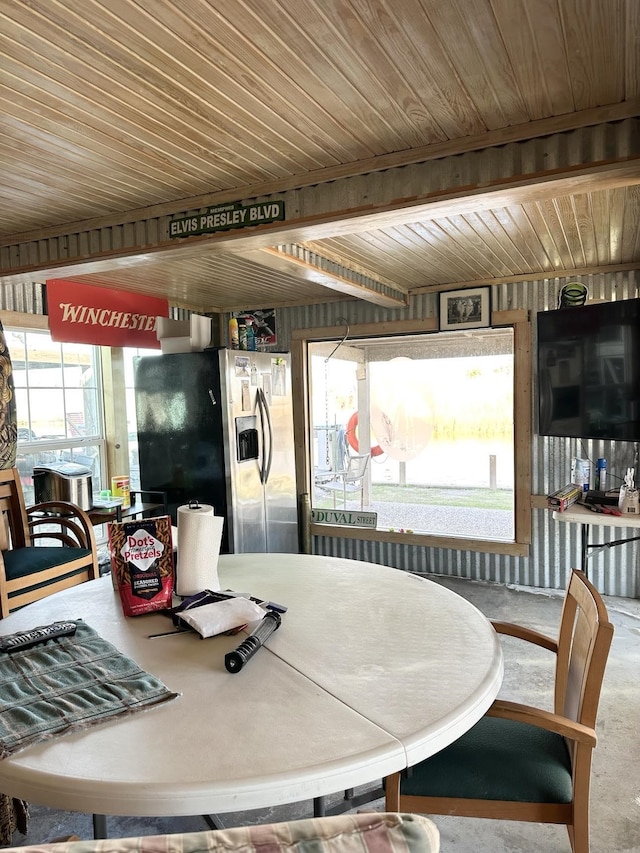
{"x": 227, "y": 216}
{"x": 79, "y": 313}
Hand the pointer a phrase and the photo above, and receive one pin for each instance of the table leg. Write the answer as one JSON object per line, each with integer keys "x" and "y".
{"x": 213, "y": 821}
{"x": 99, "y": 826}
{"x": 319, "y": 807}
{"x": 585, "y": 548}
{"x": 350, "y": 801}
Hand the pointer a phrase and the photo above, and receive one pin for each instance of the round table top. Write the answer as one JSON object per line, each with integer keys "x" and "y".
{"x": 372, "y": 670}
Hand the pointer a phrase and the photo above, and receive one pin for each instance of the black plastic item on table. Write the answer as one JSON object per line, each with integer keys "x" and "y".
{"x": 235, "y": 660}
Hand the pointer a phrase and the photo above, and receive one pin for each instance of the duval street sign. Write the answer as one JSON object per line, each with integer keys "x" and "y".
{"x": 227, "y": 216}
{"x": 345, "y": 517}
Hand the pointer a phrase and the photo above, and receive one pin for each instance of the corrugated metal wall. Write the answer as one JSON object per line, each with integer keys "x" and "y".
{"x": 555, "y": 547}
{"x": 31, "y": 299}
{"x": 25, "y": 298}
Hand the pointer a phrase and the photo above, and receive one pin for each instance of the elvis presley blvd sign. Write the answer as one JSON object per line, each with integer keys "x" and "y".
{"x": 227, "y": 216}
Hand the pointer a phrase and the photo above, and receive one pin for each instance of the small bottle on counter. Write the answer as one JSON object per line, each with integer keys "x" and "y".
{"x": 242, "y": 335}
{"x": 234, "y": 341}
{"x": 251, "y": 338}
{"x": 601, "y": 475}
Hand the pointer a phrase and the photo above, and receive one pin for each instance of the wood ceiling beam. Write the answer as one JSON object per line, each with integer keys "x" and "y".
{"x": 384, "y": 200}
{"x": 440, "y": 204}
{"x": 360, "y": 219}
{"x": 534, "y": 187}
{"x": 365, "y": 288}
{"x": 383, "y": 162}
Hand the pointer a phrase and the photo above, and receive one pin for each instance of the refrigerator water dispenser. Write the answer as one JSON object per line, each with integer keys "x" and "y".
{"x": 246, "y": 438}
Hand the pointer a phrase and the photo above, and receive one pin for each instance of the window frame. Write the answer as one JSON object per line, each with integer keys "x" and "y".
{"x": 519, "y": 320}
{"x": 20, "y": 321}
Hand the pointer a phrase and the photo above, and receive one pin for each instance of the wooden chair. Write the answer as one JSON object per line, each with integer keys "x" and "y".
{"x": 520, "y": 762}
{"x": 29, "y": 568}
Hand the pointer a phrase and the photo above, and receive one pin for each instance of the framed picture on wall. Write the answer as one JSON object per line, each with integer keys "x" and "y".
{"x": 264, "y": 324}
{"x": 465, "y": 309}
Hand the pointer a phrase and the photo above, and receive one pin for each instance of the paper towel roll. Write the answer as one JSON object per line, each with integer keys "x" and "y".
{"x": 199, "y": 537}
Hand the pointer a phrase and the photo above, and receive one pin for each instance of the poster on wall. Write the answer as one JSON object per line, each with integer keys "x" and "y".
{"x": 263, "y": 321}
{"x": 82, "y": 314}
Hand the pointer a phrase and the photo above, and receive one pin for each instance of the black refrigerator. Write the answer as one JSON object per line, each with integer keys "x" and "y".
{"x": 217, "y": 427}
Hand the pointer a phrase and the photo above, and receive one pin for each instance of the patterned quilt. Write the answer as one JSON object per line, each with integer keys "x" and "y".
{"x": 372, "y": 832}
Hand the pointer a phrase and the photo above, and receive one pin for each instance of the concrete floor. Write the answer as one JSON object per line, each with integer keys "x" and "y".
{"x": 615, "y": 821}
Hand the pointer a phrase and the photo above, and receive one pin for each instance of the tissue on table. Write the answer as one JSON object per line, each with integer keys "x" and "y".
{"x": 220, "y": 616}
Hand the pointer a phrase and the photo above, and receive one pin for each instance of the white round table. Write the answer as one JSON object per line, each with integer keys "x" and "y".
{"x": 371, "y": 671}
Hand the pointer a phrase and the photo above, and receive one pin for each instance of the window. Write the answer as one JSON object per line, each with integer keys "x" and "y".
{"x": 58, "y": 403}
{"x": 419, "y": 436}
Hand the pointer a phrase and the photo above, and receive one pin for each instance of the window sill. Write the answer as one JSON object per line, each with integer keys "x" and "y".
{"x": 514, "y": 549}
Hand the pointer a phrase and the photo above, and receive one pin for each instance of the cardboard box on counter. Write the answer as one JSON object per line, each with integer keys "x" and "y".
{"x": 564, "y": 497}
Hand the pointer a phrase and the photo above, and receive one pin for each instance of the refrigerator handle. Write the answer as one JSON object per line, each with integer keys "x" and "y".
{"x": 260, "y": 408}
{"x": 265, "y": 418}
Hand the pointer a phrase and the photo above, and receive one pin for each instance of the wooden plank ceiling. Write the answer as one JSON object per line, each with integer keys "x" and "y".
{"x": 109, "y": 106}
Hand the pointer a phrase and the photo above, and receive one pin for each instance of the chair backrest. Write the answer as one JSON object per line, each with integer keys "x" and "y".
{"x": 357, "y": 468}
{"x": 45, "y": 548}
{"x": 583, "y": 647}
{"x": 14, "y": 530}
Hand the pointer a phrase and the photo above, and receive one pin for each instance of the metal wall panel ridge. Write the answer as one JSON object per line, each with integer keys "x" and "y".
{"x": 27, "y": 298}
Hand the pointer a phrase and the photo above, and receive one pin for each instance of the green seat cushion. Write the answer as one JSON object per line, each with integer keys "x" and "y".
{"x": 497, "y": 760}
{"x": 22, "y": 562}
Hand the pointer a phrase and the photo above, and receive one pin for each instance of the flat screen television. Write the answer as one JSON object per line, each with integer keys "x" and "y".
{"x": 589, "y": 371}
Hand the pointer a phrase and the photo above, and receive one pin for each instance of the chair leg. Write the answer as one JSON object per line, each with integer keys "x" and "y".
{"x": 579, "y": 836}
{"x": 578, "y": 828}
{"x": 392, "y": 793}
{"x": 100, "y": 826}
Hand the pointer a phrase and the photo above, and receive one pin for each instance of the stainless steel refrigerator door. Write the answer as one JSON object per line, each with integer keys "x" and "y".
{"x": 280, "y": 499}
{"x": 245, "y": 492}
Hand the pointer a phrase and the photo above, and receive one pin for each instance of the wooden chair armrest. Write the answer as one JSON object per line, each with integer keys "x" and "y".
{"x": 544, "y": 720}
{"x": 528, "y": 634}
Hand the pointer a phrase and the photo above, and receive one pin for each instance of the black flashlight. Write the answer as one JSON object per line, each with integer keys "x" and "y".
{"x": 235, "y": 660}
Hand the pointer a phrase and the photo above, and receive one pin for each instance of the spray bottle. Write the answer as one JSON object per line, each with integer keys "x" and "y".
{"x": 251, "y": 338}
{"x": 234, "y": 340}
